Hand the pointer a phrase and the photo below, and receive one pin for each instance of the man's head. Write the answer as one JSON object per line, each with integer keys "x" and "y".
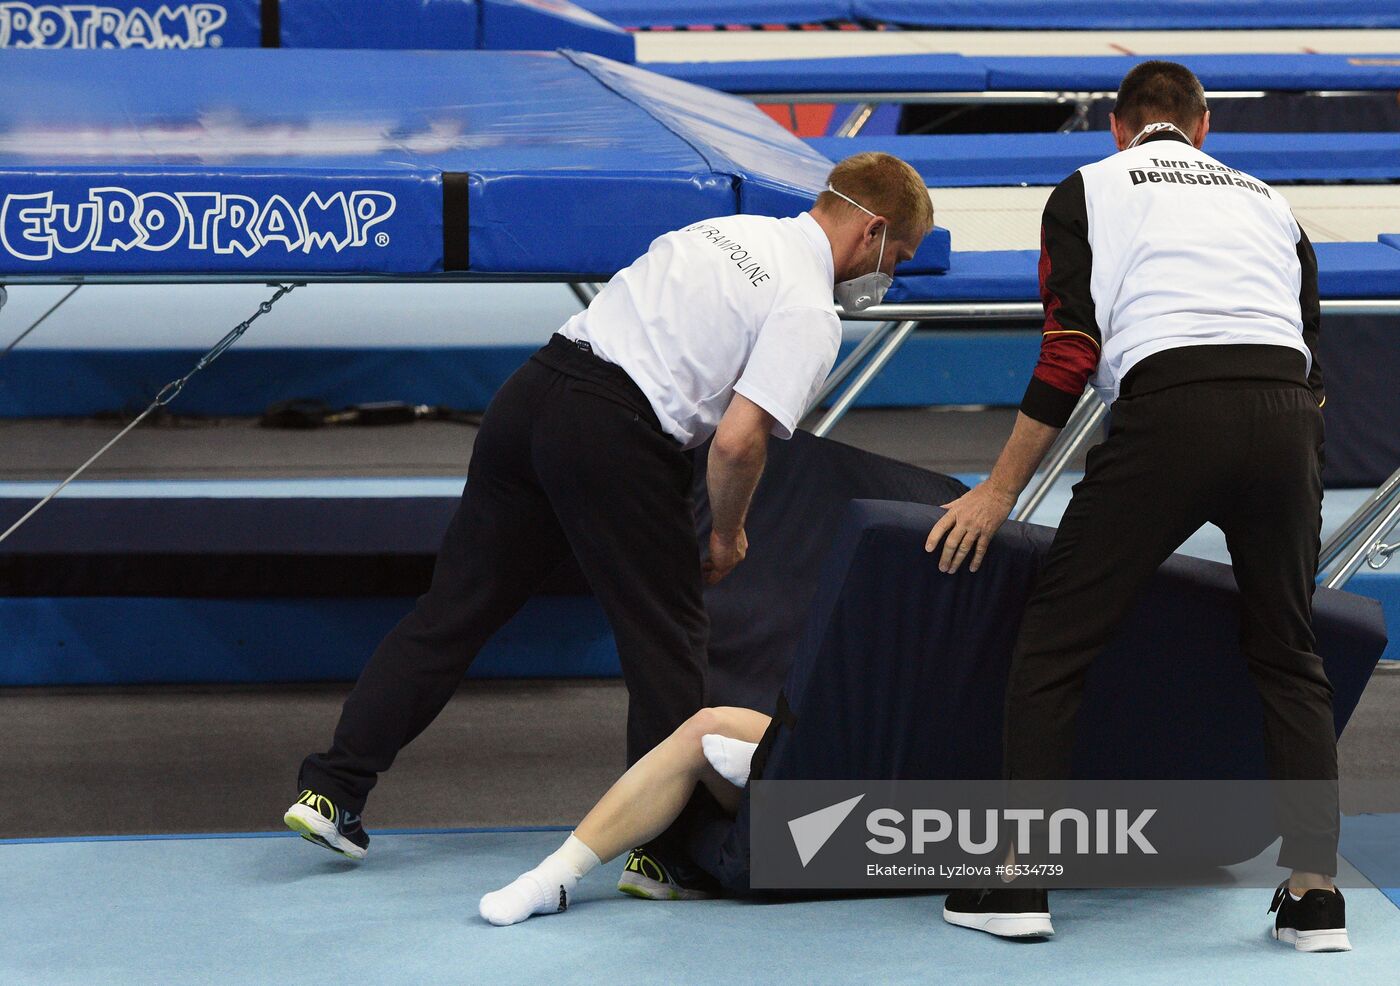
{"x": 899, "y": 213}
{"x": 1160, "y": 92}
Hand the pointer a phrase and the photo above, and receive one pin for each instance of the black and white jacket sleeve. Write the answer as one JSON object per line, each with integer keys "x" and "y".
{"x": 1070, "y": 343}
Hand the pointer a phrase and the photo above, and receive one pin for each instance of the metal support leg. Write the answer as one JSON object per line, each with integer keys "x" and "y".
{"x": 1340, "y": 539}
{"x": 37, "y": 322}
{"x": 1088, "y": 415}
{"x": 1359, "y": 537}
{"x": 1080, "y": 119}
{"x": 585, "y": 291}
{"x": 871, "y": 370}
{"x": 856, "y": 122}
{"x": 848, "y": 365}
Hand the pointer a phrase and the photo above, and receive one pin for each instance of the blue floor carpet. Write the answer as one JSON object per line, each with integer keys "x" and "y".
{"x": 234, "y": 911}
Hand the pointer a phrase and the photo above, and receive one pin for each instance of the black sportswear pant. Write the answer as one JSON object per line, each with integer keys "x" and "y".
{"x": 1246, "y": 456}
{"x": 569, "y": 457}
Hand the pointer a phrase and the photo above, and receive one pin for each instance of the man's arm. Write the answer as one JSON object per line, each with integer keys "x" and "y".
{"x": 975, "y": 516}
{"x": 1311, "y": 308}
{"x": 1069, "y": 353}
{"x": 737, "y": 455}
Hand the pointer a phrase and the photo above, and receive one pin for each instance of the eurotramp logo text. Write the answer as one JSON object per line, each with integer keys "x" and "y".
{"x": 36, "y": 226}
{"x": 82, "y": 25}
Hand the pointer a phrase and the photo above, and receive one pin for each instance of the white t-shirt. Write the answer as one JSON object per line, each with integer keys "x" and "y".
{"x": 734, "y": 304}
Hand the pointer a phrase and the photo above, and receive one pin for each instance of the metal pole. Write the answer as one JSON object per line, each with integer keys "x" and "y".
{"x": 1087, "y": 416}
{"x": 585, "y": 291}
{"x": 856, "y": 122}
{"x": 37, "y": 322}
{"x": 848, "y": 365}
{"x": 862, "y": 380}
{"x": 1366, "y": 543}
{"x": 1344, "y": 535}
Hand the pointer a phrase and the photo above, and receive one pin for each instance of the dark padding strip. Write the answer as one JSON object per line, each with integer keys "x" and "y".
{"x": 456, "y": 253}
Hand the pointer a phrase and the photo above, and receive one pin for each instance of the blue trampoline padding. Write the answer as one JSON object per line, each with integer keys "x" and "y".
{"x": 975, "y": 275}
{"x": 861, "y": 73}
{"x": 1344, "y": 270}
{"x": 683, "y": 13}
{"x": 901, "y": 671}
{"x": 962, "y": 160}
{"x": 533, "y": 25}
{"x": 1285, "y": 72}
{"x": 1357, "y": 270}
{"x": 1140, "y": 15}
{"x": 1391, "y": 240}
{"x": 509, "y": 25}
{"x": 933, "y": 256}
{"x": 279, "y": 163}
{"x": 134, "y": 23}
{"x": 407, "y": 24}
{"x": 956, "y": 73}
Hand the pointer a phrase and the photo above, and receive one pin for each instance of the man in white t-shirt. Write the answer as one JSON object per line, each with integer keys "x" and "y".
{"x": 726, "y": 328}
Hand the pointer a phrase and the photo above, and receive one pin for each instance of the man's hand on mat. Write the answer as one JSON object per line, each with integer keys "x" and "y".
{"x": 968, "y": 526}
{"x": 725, "y": 553}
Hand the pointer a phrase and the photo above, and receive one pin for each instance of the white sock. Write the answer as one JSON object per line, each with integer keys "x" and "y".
{"x": 543, "y": 890}
{"x": 731, "y": 757}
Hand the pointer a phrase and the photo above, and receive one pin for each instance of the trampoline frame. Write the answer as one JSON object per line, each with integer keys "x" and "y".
{"x": 1359, "y": 539}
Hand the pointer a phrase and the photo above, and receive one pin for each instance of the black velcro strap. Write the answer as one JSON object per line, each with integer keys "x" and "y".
{"x": 456, "y": 254}
{"x": 783, "y": 718}
{"x": 272, "y": 23}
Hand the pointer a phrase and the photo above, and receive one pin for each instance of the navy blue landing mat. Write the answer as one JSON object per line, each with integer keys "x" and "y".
{"x": 962, "y": 160}
{"x": 901, "y": 671}
{"x": 507, "y": 25}
{"x": 758, "y": 613}
{"x": 249, "y": 163}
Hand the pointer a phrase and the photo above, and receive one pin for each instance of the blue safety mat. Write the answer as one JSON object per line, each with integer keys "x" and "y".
{"x": 958, "y": 73}
{"x": 508, "y": 25}
{"x": 682, "y": 13}
{"x": 975, "y": 275}
{"x": 1284, "y": 72}
{"x": 901, "y": 672}
{"x": 247, "y": 163}
{"x": 961, "y": 160}
{"x": 1144, "y": 15}
{"x": 1344, "y": 270}
{"x": 861, "y": 73}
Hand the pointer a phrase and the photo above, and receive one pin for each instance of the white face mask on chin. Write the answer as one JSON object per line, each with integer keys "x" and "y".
{"x": 1154, "y": 128}
{"x": 859, "y": 293}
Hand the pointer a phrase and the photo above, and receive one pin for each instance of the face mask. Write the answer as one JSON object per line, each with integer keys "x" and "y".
{"x": 1153, "y": 128}
{"x": 859, "y": 293}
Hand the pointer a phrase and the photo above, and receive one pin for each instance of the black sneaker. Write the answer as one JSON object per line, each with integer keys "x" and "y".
{"x": 318, "y": 820}
{"x": 1008, "y": 912}
{"x": 645, "y": 875}
{"x": 1316, "y": 923}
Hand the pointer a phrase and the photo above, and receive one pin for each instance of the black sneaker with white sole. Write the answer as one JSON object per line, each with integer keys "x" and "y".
{"x": 650, "y": 876}
{"x": 1316, "y": 922}
{"x": 318, "y": 820}
{"x": 1008, "y": 912}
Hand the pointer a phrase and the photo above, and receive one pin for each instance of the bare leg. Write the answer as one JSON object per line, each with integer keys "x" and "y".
{"x": 636, "y": 809}
{"x": 650, "y": 796}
